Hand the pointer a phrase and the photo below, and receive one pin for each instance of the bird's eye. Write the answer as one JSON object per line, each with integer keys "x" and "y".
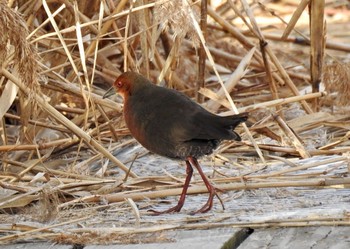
{"x": 119, "y": 84}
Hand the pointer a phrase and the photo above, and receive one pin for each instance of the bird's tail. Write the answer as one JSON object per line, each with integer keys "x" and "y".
{"x": 234, "y": 120}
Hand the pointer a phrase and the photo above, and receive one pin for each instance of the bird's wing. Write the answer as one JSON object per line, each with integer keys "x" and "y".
{"x": 196, "y": 123}
{"x": 176, "y": 118}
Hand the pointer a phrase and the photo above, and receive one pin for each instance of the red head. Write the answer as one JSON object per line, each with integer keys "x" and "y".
{"x": 128, "y": 83}
{"x": 123, "y": 84}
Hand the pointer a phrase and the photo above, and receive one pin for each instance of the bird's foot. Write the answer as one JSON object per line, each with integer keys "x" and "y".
{"x": 209, "y": 204}
{"x": 221, "y": 202}
{"x": 175, "y": 209}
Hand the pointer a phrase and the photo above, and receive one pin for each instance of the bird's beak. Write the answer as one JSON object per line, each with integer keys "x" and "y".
{"x": 109, "y": 92}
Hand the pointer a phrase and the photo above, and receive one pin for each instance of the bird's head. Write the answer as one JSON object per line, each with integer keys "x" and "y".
{"x": 126, "y": 84}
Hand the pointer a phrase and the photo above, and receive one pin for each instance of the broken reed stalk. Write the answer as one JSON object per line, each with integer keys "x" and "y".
{"x": 202, "y": 54}
{"x": 293, "y": 151}
{"x": 24, "y": 235}
{"x": 286, "y": 78}
{"x": 118, "y": 197}
{"x": 125, "y": 230}
{"x": 40, "y": 146}
{"x": 296, "y": 15}
{"x": 300, "y": 167}
{"x": 231, "y": 82}
{"x": 255, "y": 29}
{"x": 143, "y": 22}
{"x": 343, "y": 139}
{"x": 74, "y": 90}
{"x": 317, "y": 44}
{"x": 272, "y": 103}
{"x": 28, "y": 195}
{"x": 294, "y": 139}
{"x": 338, "y": 46}
{"x": 230, "y": 28}
{"x": 62, "y": 176}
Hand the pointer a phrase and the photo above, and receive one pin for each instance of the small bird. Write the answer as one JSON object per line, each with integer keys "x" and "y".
{"x": 170, "y": 124}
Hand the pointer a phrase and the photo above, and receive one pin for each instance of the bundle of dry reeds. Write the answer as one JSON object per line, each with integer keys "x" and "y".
{"x": 59, "y": 137}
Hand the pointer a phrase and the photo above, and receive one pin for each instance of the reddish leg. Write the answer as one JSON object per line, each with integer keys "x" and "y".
{"x": 211, "y": 189}
{"x": 177, "y": 208}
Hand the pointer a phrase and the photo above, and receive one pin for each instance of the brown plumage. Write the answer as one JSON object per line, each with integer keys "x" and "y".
{"x": 170, "y": 124}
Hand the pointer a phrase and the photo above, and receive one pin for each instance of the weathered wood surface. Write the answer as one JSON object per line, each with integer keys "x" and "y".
{"x": 269, "y": 206}
{"x": 324, "y": 237}
{"x": 299, "y": 237}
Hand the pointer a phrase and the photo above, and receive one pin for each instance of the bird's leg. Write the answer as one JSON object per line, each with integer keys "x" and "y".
{"x": 177, "y": 208}
{"x": 211, "y": 189}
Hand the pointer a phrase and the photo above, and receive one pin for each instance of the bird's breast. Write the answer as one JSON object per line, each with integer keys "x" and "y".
{"x": 135, "y": 125}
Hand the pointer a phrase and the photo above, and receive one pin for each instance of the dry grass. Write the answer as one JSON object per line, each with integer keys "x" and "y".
{"x": 337, "y": 80}
{"x": 65, "y": 175}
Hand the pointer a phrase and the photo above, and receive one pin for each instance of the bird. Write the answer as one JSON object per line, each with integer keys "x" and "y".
{"x": 170, "y": 124}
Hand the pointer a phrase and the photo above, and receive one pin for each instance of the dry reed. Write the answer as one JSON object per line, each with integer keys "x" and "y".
{"x": 64, "y": 148}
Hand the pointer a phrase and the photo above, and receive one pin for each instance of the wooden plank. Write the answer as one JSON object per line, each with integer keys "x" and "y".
{"x": 299, "y": 237}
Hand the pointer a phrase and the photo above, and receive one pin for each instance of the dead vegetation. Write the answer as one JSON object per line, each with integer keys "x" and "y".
{"x": 71, "y": 173}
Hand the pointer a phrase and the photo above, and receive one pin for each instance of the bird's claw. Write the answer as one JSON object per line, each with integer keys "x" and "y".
{"x": 207, "y": 206}
{"x": 175, "y": 209}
